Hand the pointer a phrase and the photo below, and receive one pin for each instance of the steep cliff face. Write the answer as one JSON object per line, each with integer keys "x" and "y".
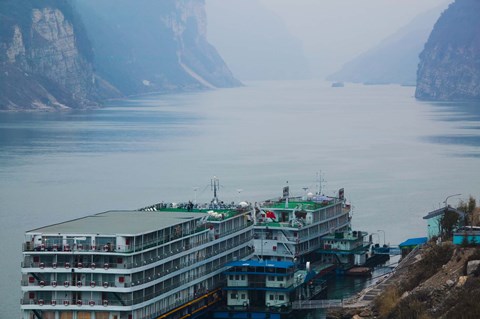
{"x": 153, "y": 46}
{"x": 60, "y": 54}
{"x": 45, "y": 62}
{"x": 449, "y": 66}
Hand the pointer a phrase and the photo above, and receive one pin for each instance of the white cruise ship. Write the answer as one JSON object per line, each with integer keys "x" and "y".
{"x": 291, "y": 228}
{"x": 166, "y": 263}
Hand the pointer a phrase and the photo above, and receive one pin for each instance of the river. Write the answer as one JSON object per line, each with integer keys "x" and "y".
{"x": 396, "y": 157}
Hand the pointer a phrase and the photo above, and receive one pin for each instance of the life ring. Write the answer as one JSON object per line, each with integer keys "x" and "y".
{"x": 80, "y": 265}
{"x": 79, "y": 303}
{"x": 67, "y": 265}
{"x": 54, "y": 265}
{"x": 105, "y": 303}
{"x": 106, "y": 266}
{"x": 91, "y": 303}
{"x": 40, "y": 302}
{"x": 66, "y": 302}
{"x": 79, "y": 284}
{"x": 94, "y": 247}
{"x": 92, "y": 284}
{"x": 92, "y": 265}
{"x": 105, "y": 284}
{"x": 105, "y": 248}
{"x": 42, "y": 283}
{"x": 54, "y": 284}
{"x": 53, "y": 302}
{"x": 66, "y": 284}
{"x": 42, "y": 265}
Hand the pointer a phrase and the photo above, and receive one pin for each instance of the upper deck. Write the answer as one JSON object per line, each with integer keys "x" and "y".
{"x": 301, "y": 203}
{"x": 300, "y": 212}
{"x": 131, "y": 231}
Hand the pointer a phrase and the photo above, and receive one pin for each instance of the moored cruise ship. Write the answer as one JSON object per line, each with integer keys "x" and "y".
{"x": 291, "y": 228}
{"x": 166, "y": 263}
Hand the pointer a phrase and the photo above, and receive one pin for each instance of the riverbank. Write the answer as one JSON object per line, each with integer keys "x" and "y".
{"x": 434, "y": 281}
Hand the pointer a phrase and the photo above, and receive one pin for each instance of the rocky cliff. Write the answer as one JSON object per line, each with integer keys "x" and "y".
{"x": 148, "y": 46}
{"x": 45, "y": 60}
{"x": 59, "y": 54}
{"x": 449, "y": 66}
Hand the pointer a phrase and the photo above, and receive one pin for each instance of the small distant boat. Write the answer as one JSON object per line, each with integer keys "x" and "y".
{"x": 338, "y": 85}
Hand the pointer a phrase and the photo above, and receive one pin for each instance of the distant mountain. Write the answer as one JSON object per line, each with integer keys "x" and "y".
{"x": 395, "y": 59}
{"x": 144, "y": 46}
{"x": 254, "y": 41}
{"x": 61, "y": 54}
{"x": 449, "y": 66}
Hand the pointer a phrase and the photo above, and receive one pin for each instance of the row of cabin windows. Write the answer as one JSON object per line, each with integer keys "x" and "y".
{"x": 235, "y": 296}
{"x": 334, "y": 242}
{"x": 279, "y": 297}
{"x": 242, "y": 277}
{"x": 272, "y": 278}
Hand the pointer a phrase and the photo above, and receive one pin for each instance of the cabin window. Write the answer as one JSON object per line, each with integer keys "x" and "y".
{"x": 281, "y": 297}
{"x": 271, "y": 278}
{"x": 233, "y": 295}
{"x": 231, "y": 277}
{"x": 271, "y": 297}
{"x": 237, "y": 277}
{"x": 242, "y": 277}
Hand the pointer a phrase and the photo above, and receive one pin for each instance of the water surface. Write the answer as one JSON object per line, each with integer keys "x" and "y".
{"x": 396, "y": 157}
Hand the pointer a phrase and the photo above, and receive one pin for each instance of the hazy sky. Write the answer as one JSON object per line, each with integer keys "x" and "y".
{"x": 335, "y": 31}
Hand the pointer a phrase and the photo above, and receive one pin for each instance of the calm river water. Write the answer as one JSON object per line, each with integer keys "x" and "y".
{"x": 396, "y": 157}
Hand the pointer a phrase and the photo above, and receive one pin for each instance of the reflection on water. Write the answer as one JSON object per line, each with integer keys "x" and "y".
{"x": 465, "y": 116}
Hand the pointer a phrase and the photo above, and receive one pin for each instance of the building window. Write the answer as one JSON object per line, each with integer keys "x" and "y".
{"x": 281, "y": 297}
{"x": 237, "y": 277}
{"x": 271, "y": 297}
{"x": 231, "y": 277}
{"x": 243, "y": 277}
{"x": 233, "y": 295}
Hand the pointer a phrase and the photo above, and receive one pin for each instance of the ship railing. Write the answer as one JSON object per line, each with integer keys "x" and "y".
{"x": 107, "y": 266}
{"x": 129, "y": 302}
{"x": 70, "y": 302}
{"x": 208, "y": 269}
{"x": 69, "y": 284}
{"x": 234, "y": 230}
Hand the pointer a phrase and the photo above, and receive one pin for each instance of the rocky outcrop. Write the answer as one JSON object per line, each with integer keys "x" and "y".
{"x": 44, "y": 63}
{"x": 449, "y": 66}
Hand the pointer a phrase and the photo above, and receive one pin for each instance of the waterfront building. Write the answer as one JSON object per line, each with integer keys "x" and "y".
{"x": 434, "y": 218}
{"x": 132, "y": 264}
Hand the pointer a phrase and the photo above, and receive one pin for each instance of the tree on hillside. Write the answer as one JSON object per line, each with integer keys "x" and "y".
{"x": 448, "y": 222}
{"x": 468, "y": 208}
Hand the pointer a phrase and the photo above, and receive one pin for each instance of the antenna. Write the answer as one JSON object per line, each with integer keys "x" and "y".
{"x": 215, "y": 184}
{"x": 320, "y": 181}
